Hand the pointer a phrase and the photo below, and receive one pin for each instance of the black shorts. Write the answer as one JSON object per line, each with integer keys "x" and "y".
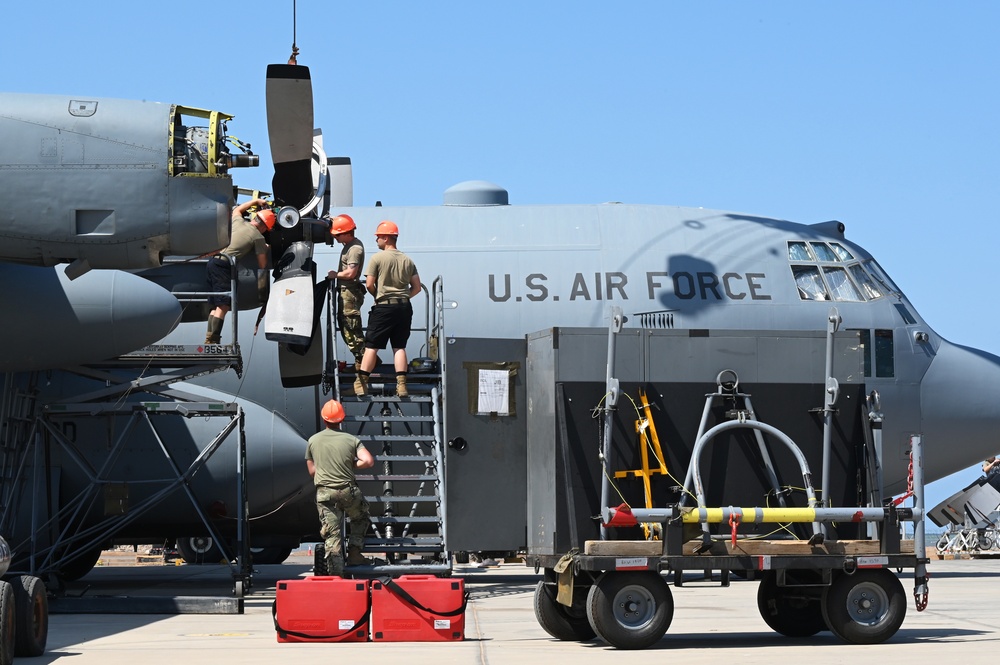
{"x": 389, "y": 323}
{"x": 220, "y": 279}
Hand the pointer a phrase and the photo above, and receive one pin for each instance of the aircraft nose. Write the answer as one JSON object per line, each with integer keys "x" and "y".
{"x": 960, "y": 409}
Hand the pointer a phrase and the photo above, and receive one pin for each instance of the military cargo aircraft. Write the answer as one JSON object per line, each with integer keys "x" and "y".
{"x": 495, "y": 273}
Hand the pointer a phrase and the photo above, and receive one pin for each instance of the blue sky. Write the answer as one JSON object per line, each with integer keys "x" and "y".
{"x": 882, "y": 115}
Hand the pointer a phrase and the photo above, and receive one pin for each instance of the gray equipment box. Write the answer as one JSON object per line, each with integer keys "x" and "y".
{"x": 782, "y": 371}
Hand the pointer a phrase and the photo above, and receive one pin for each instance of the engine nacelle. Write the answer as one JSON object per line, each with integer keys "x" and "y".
{"x": 112, "y": 183}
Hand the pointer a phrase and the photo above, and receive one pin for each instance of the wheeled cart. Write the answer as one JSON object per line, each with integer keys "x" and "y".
{"x": 620, "y": 592}
{"x": 820, "y": 566}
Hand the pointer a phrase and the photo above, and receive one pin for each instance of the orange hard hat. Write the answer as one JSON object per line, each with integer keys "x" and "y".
{"x": 342, "y": 224}
{"x": 333, "y": 412}
{"x": 268, "y": 217}
{"x": 387, "y": 228}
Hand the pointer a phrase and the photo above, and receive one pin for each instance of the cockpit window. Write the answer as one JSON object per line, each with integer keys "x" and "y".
{"x": 841, "y": 285}
{"x": 842, "y": 252}
{"x": 809, "y": 282}
{"x": 867, "y": 284}
{"x": 848, "y": 280}
{"x": 823, "y": 253}
{"x": 799, "y": 251}
{"x": 876, "y": 271}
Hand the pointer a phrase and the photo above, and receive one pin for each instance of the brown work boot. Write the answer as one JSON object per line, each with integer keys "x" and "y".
{"x": 355, "y": 558}
{"x": 214, "y": 333}
{"x": 401, "y": 390}
{"x": 334, "y": 565}
{"x": 361, "y": 384}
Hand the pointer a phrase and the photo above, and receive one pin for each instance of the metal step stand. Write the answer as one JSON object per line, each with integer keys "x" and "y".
{"x": 406, "y": 487}
{"x": 121, "y": 388}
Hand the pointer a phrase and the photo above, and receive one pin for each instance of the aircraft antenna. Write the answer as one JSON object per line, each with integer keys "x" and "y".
{"x": 295, "y": 49}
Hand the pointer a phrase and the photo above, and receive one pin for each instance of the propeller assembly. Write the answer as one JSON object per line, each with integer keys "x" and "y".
{"x": 296, "y": 300}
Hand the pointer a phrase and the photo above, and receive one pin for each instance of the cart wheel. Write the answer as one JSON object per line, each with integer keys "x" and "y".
{"x": 31, "y": 605}
{"x": 793, "y": 611}
{"x": 630, "y": 610}
{"x": 867, "y": 607}
{"x": 8, "y": 623}
{"x": 563, "y": 623}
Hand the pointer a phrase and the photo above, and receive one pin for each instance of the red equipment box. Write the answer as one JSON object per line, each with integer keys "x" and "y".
{"x": 322, "y": 609}
{"x": 418, "y": 608}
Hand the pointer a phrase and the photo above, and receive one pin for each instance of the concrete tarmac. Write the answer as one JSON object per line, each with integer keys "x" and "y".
{"x": 710, "y": 622}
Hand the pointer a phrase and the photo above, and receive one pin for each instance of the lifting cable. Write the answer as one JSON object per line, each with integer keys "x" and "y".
{"x": 295, "y": 49}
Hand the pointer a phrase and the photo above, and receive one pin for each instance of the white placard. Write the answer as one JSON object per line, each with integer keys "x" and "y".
{"x": 494, "y": 392}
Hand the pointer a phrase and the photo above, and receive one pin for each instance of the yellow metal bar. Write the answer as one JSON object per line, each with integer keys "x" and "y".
{"x": 647, "y": 436}
{"x": 213, "y": 150}
{"x": 215, "y": 119}
{"x": 751, "y": 515}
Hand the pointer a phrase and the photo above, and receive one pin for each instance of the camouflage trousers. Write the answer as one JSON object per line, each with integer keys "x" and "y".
{"x": 333, "y": 505}
{"x": 349, "y": 319}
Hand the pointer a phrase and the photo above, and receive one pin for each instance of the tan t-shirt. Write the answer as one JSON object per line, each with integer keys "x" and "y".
{"x": 393, "y": 271}
{"x": 334, "y": 453}
{"x": 353, "y": 252}
{"x": 244, "y": 238}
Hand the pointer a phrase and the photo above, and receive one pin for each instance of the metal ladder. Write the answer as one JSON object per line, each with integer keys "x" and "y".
{"x": 406, "y": 487}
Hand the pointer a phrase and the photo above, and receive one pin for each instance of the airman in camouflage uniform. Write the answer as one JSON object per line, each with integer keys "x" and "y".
{"x": 332, "y": 457}
{"x": 350, "y": 289}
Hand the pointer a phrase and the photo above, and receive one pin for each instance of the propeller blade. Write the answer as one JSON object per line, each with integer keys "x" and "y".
{"x": 293, "y": 317}
{"x": 299, "y": 369}
{"x": 290, "y": 302}
{"x": 290, "y": 132}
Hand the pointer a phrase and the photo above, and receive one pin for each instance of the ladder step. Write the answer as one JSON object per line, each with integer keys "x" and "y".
{"x": 424, "y": 519}
{"x": 404, "y": 458}
{"x": 426, "y": 542}
{"x": 402, "y": 499}
{"x": 388, "y": 419}
{"x": 395, "y": 476}
{"x": 397, "y": 569}
{"x": 397, "y": 437}
{"x": 384, "y": 398}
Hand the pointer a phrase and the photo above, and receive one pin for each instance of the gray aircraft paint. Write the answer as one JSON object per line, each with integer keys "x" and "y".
{"x": 513, "y": 270}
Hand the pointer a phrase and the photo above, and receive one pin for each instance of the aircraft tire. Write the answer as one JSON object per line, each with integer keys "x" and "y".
{"x": 8, "y": 623}
{"x": 866, "y": 607}
{"x": 790, "y": 611}
{"x": 569, "y": 624}
{"x": 79, "y": 566}
{"x": 630, "y": 610}
{"x": 31, "y": 606}
{"x": 197, "y": 550}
